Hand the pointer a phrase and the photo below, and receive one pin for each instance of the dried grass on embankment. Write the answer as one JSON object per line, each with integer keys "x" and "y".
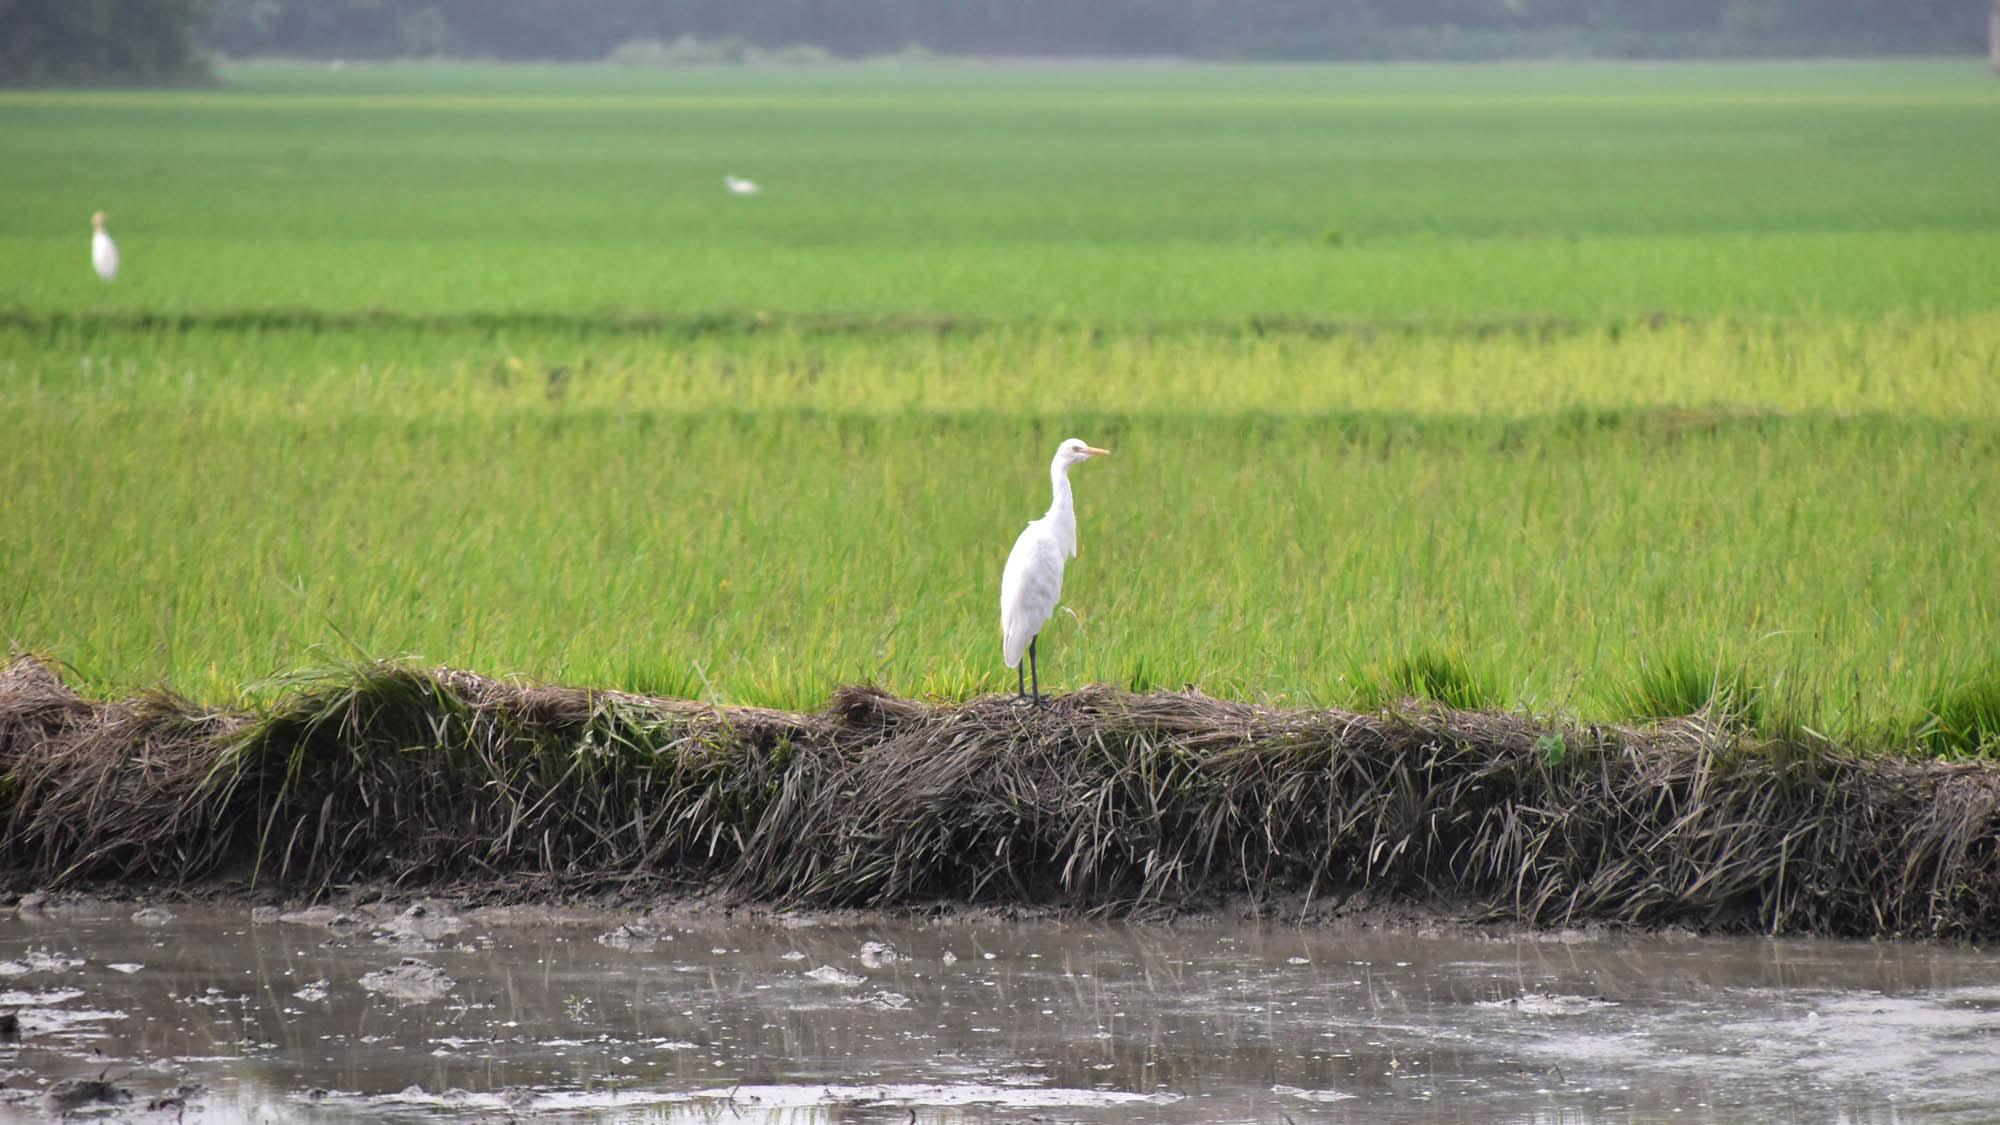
{"x": 1108, "y": 801}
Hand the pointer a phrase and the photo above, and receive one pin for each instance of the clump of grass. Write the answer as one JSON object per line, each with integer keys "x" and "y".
{"x": 1436, "y": 675}
{"x": 378, "y": 770}
{"x": 1965, "y": 720}
{"x": 1108, "y": 802}
{"x": 657, "y": 678}
{"x": 1684, "y": 682}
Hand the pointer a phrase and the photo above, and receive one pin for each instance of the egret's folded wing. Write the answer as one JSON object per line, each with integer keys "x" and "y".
{"x": 1029, "y": 589}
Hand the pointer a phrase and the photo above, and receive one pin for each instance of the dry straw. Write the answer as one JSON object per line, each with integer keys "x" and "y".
{"x": 1109, "y": 802}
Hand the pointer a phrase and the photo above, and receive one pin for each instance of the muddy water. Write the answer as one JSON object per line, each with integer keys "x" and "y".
{"x": 427, "y": 1015}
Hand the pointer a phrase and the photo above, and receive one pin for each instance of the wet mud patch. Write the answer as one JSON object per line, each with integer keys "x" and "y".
{"x": 1543, "y": 1004}
{"x": 410, "y": 982}
{"x": 761, "y": 1102}
{"x": 73, "y": 1094}
{"x": 985, "y": 1019}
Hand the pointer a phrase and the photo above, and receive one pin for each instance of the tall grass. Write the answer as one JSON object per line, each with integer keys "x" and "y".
{"x": 706, "y": 519}
{"x": 1503, "y": 386}
{"x": 1965, "y": 719}
{"x": 1694, "y": 373}
{"x": 1687, "y": 682}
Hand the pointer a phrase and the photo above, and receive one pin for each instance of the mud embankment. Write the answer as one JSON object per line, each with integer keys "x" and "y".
{"x": 1107, "y": 802}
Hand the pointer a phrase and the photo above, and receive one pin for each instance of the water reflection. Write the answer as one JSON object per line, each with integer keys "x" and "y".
{"x": 685, "y": 1018}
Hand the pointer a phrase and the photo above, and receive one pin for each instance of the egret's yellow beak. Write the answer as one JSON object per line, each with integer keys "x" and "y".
{"x": 1093, "y": 451}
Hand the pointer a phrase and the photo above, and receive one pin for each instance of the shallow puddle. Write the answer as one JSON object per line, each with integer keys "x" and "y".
{"x": 427, "y": 1015}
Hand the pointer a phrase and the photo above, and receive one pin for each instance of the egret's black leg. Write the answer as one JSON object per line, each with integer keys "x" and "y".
{"x": 1020, "y": 682}
{"x": 1035, "y": 673}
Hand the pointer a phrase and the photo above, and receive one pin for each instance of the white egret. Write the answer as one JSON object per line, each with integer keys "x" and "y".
{"x": 103, "y": 251}
{"x": 1031, "y": 585}
{"x": 738, "y": 186}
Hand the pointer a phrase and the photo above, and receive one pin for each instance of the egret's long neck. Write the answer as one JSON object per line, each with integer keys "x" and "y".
{"x": 1062, "y": 510}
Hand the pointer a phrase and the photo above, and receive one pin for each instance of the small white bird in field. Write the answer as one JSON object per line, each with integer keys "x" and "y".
{"x": 103, "y": 251}
{"x": 1031, "y": 585}
{"x": 739, "y": 186}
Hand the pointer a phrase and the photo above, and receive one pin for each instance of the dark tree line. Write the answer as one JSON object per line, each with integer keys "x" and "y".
{"x": 73, "y": 41}
{"x": 163, "y": 40}
{"x": 1282, "y": 29}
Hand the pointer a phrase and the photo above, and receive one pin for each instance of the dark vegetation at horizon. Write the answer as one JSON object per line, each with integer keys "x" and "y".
{"x": 143, "y": 42}
{"x": 1238, "y": 29}
{"x": 1111, "y": 803}
{"x": 102, "y": 42}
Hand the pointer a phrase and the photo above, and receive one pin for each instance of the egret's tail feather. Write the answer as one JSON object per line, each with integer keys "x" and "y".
{"x": 1014, "y": 645}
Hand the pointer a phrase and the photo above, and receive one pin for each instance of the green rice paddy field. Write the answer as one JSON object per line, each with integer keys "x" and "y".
{"x": 1580, "y": 388}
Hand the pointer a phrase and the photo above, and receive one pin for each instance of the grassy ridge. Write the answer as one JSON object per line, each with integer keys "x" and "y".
{"x": 1108, "y": 802}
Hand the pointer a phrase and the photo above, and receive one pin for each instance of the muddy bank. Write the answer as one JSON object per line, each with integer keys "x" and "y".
{"x": 423, "y": 1010}
{"x": 1107, "y": 803}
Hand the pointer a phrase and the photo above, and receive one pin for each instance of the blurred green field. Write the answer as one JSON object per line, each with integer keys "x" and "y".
{"x": 1571, "y": 381}
{"x": 1187, "y": 194}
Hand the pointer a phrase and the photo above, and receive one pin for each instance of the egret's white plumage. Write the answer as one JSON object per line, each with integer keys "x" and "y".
{"x": 1031, "y": 585}
{"x": 739, "y": 186}
{"x": 103, "y": 251}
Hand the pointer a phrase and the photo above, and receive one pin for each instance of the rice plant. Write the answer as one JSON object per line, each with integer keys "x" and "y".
{"x": 1965, "y": 719}
{"x": 500, "y": 382}
{"x": 1686, "y": 682}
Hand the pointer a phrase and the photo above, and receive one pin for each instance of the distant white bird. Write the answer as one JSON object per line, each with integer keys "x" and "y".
{"x": 103, "y": 251}
{"x": 738, "y": 186}
{"x": 1031, "y": 585}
